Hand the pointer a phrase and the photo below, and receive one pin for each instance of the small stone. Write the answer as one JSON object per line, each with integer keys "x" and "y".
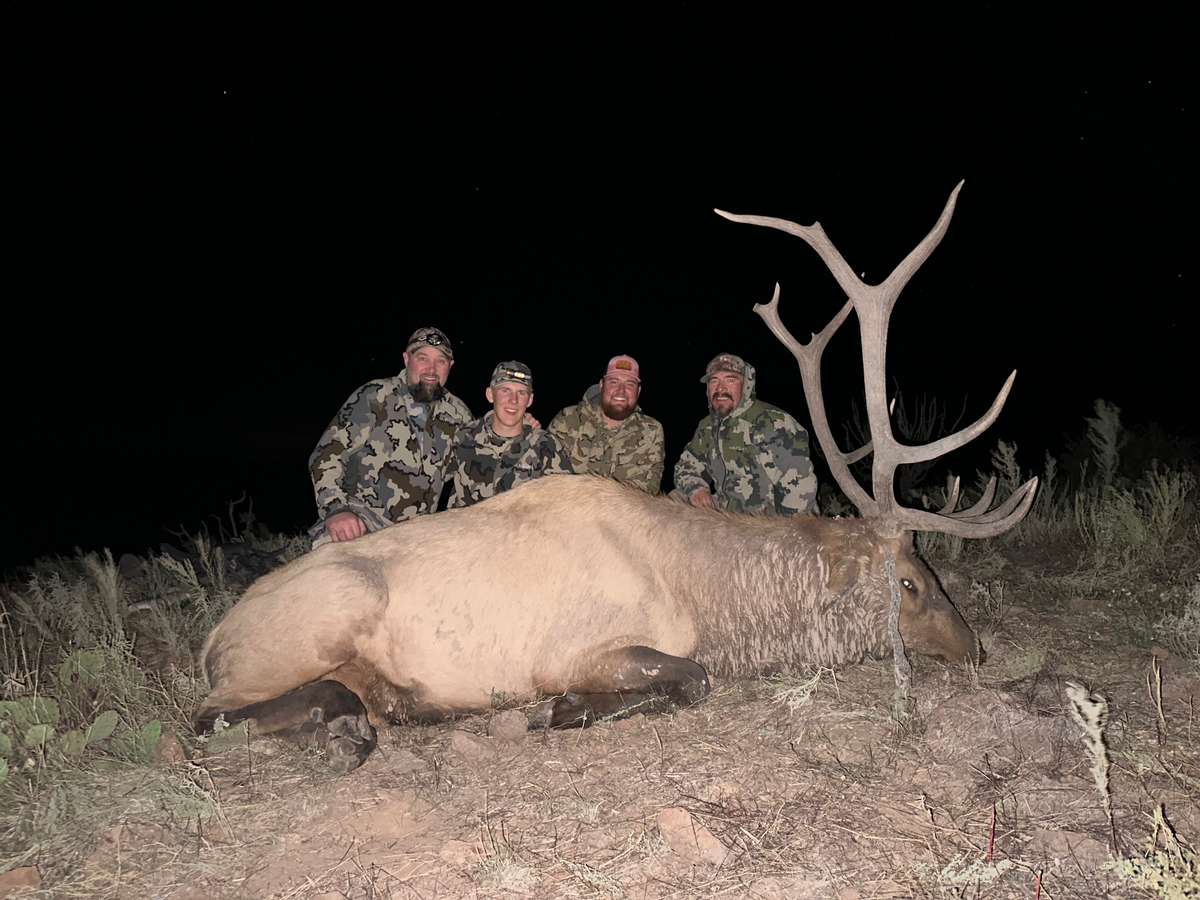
{"x": 510, "y": 726}
{"x": 169, "y": 751}
{"x": 690, "y": 839}
{"x": 15, "y": 879}
{"x": 471, "y": 746}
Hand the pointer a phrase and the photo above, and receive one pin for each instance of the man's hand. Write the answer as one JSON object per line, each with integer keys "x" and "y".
{"x": 345, "y": 526}
{"x": 703, "y": 499}
{"x": 531, "y": 421}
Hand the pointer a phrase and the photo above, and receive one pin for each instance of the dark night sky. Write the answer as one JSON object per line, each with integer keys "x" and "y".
{"x": 203, "y": 276}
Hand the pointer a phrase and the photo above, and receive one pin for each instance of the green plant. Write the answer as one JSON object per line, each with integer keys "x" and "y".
{"x": 1171, "y": 871}
{"x": 1180, "y": 631}
{"x": 1107, "y": 437}
{"x": 29, "y": 729}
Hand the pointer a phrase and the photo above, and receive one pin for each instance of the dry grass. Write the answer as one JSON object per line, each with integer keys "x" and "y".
{"x": 805, "y": 780}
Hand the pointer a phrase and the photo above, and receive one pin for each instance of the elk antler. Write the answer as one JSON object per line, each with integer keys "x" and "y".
{"x": 873, "y": 305}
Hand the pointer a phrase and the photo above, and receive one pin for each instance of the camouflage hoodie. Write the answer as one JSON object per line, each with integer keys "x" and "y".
{"x": 483, "y": 463}
{"x": 384, "y": 454}
{"x": 633, "y": 452}
{"x": 756, "y": 459}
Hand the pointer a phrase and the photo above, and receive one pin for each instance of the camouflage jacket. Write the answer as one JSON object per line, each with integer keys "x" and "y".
{"x": 633, "y": 452}
{"x": 482, "y": 463}
{"x": 385, "y": 452}
{"x": 756, "y": 459}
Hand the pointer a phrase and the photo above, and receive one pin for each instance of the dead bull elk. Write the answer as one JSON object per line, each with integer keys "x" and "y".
{"x": 595, "y": 597}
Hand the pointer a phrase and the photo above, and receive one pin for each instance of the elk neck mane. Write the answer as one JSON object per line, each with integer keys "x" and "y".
{"x": 764, "y": 591}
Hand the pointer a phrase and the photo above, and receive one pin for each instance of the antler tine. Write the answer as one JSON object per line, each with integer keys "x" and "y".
{"x": 999, "y": 520}
{"x": 861, "y": 453}
{"x": 981, "y": 505}
{"x": 814, "y": 235}
{"x": 942, "y": 446}
{"x": 808, "y": 357}
{"x": 874, "y": 307}
{"x": 953, "y": 485}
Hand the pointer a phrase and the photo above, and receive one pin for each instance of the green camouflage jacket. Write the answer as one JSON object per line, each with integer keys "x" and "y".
{"x": 633, "y": 452}
{"x": 482, "y": 463}
{"x": 385, "y": 453}
{"x": 755, "y": 459}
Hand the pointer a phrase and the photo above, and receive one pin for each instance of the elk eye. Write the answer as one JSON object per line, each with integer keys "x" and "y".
{"x": 908, "y": 585}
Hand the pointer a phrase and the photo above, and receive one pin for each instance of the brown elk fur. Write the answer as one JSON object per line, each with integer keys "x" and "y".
{"x": 523, "y": 595}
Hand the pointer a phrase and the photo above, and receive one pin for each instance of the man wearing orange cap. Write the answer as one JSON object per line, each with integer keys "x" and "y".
{"x": 608, "y": 434}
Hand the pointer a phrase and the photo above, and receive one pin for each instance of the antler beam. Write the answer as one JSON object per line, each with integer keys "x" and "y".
{"x": 873, "y": 305}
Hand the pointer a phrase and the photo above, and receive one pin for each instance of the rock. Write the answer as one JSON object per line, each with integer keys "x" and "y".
{"x": 471, "y": 746}
{"x": 169, "y": 751}
{"x": 14, "y": 880}
{"x": 1079, "y": 850}
{"x": 509, "y": 727}
{"x": 402, "y": 762}
{"x": 690, "y": 839}
{"x": 460, "y": 854}
{"x": 118, "y": 843}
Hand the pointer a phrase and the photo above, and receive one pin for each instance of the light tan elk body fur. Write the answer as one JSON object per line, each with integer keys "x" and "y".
{"x": 516, "y": 596}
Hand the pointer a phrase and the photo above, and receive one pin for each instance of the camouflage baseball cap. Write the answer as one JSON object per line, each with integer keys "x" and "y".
{"x": 724, "y": 362}
{"x": 430, "y": 337}
{"x": 516, "y": 372}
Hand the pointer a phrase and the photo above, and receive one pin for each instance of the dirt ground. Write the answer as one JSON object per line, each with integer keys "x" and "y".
{"x": 786, "y": 787}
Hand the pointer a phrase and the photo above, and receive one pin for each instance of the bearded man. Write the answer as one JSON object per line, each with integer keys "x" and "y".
{"x": 383, "y": 457}
{"x": 746, "y": 455}
{"x": 608, "y": 434}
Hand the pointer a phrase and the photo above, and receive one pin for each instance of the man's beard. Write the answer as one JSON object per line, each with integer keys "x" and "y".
{"x": 617, "y": 415}
{"x": 713, "y": 407}
{"x": 428, "y": 393}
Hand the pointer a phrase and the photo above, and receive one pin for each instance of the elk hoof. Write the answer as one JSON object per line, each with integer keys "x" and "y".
{"x": 345, "y": 755}
{"x": 541, "y": 716}
{"x": 350, "y": 741}
{"x": 695, "y": 690}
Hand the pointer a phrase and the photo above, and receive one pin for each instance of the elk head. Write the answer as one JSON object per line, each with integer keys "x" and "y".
{"x": 873, "y": 306}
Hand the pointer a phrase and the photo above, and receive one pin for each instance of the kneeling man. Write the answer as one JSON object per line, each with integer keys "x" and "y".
{"x": 501, "y": 450}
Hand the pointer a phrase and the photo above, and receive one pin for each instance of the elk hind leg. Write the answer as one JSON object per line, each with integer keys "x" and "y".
{"x": 623, "y": 682}
{"x": 323, "y": 714}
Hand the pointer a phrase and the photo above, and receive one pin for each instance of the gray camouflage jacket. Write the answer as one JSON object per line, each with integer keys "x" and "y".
{"x": 384, "y": 455}
{"x": 633, "y": 452}
{"x": 756, "y": 459}
{"x": 482, "y": 463}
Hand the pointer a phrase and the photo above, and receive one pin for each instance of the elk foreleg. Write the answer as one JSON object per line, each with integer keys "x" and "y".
{"x": 623, "y": 682}
{"x": 323, "y": 714}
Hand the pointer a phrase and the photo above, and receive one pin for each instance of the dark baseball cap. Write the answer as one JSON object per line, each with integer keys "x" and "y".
{"x": 430, "y": 337}
{"x": 516, "y": 372}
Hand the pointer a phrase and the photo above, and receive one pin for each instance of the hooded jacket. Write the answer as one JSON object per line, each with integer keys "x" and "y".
{"x": 754, "y": 460}
{"x": 634, "y": 452}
